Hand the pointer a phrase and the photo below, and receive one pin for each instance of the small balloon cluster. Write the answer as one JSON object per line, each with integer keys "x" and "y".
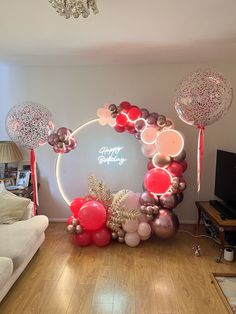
{"x": 88, "y": 222}
{"x": 126, "y": 216}
{"x": 62, "y": 141}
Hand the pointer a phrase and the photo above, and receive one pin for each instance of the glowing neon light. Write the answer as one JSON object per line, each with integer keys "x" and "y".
{"x": 58, "y": 162}
{"x": 110, "y": 155}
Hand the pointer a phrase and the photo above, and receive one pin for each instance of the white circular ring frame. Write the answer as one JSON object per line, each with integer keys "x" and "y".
{"x": 59, "y": 159}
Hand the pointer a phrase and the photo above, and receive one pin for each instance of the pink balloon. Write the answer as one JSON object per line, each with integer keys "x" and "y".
{"x": 170, "y": 143}
{"x": 92, "y": 215}
{"x": 130, "y": 225}
{"x": 101, "y": 237}
{"x": 145, "y": 238}
{"x": 149, "y": 150}
{"x": 175, "y": 168}
{"x": 83, "y": 239}
{"x": 144, "y": 229}
{"x": 131, "y": 201}
{"x": 149, "y": 135}
{"x": 157, "y": 181}
{"x": 132, "y": 239}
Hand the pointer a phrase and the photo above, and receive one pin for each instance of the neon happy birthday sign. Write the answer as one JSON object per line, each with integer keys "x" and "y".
{"x": 111, "y": 155}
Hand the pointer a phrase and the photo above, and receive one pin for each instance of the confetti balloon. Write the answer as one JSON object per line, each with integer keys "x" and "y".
{"x": 203, "y": 97}
{"x": 29, "y": 124}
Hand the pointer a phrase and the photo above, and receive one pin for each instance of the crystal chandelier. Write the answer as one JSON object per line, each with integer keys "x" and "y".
{"x": 74, "y": 8}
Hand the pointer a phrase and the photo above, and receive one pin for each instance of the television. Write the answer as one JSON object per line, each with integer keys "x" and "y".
{"x": 225, "y": 177}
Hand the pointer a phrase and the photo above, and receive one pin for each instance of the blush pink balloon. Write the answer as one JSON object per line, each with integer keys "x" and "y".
{"x": 144, "y": 229}
{"x": 130, "y": 225}
{"x": 149, "y": 150}
{"x": 149, "y": 135}
{"x": 145, "y": 238}
{"x": 170, "y": 143}
{"x": 132, "y": 239}
{"x": 131, "y": 201}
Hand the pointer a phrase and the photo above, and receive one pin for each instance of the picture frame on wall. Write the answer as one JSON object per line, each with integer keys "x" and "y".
{"x": 23, "y": 178}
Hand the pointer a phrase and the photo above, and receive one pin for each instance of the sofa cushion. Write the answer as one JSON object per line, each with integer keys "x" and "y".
{"x": 2, "y": 186}
{"x": 12, "y": 207}
{"x": 18, "y": 239}
{"x": 6, "y": 270}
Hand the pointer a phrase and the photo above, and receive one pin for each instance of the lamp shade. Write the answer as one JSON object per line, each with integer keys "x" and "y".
{"x": 9, "y": 152}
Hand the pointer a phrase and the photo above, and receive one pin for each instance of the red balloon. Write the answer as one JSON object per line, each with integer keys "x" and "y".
{"x": 69, "y": 220}
{"x": 184, "y": 165}
{"x": 92, "y": 215}
{"x": 157, "y": 181}
{"x": 101, "y": 237}
{"x": 130, "y": 128}
{"x": 150, "y": 165}
{"x": 76, "y": 205}
{"x": 175, "y": 169}
{"x": 134, "y": 113}
{"x": 84, "y": 238}
{"x": 119, "y": 129}
{"x": 125, "y": 105}
{"x": 121, "y": 119}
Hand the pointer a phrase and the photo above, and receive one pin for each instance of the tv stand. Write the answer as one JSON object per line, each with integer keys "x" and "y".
{"x": 226, "y": 209}
{"x": 221, "y": 224}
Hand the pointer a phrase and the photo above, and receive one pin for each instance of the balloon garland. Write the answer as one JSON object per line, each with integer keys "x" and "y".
{"x": 127, "y": 216}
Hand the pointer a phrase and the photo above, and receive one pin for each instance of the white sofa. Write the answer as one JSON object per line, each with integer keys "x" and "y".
{"x": 19, "y": 242}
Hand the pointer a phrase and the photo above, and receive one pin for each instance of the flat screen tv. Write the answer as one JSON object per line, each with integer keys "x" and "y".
{"x": 225, "y": 179}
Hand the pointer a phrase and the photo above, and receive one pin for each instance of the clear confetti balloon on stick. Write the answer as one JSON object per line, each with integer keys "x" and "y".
{"x": 202, "y": 98}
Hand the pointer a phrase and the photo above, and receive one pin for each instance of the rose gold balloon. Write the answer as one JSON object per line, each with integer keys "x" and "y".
{"x": 160, "y": 160}
{"x": 79, "y": 229}
{"x": 147, "y": 199}
{"x": 180, "y": 157}
{"x": 166, "y": 224}
{"x": 169, "y": 201}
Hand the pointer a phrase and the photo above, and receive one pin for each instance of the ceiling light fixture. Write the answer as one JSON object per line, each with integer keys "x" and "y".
{"x": 74, "y": 8}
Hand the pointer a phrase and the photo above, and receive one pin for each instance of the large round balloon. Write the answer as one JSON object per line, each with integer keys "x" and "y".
{"x": 29, "y": 124}
{"x": 157, "y": 181}
{"x": 92, "y": 215}
{"x": 166, "y": 224}
{"x": 203, "y": 97}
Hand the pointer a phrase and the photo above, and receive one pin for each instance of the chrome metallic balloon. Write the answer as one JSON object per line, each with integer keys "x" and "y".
{"x": 114, "y": 235}
{"x": 180, "y": 197}
{"x": 121, "y": 239}
{"x": 160, "y": 160}
{"x": 165, "y": 225}
{"x": 70, "y": 228}
{"x": 168, "y": 201}
{"x": 78, "y": 229}
{"x": 147, "y": 199}
{"x": 74, "y": 222}
{"x": 180, "y": 157}
{"x": 145, "y": 113}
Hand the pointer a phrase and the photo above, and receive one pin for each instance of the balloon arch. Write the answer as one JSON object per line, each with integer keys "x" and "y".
{"x": 128, "y": 216}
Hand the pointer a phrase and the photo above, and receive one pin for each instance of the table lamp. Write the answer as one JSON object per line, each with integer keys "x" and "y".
{"x": 9, "y": 152}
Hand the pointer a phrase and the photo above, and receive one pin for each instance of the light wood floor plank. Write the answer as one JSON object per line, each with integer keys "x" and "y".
{"x": 156, "y": 277}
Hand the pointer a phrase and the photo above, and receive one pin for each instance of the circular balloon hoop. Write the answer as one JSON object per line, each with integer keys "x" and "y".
{"x": 129, "y": 216}
{"x": 59, "y": 160}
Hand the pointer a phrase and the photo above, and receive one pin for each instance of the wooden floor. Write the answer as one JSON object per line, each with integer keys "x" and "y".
{"x": 156, "y": 277}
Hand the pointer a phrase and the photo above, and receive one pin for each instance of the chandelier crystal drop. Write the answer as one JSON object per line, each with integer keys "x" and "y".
{"x": 74, "y": 8}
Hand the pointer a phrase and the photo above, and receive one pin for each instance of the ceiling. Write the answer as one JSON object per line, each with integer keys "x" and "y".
{"x": 125, "y": 31}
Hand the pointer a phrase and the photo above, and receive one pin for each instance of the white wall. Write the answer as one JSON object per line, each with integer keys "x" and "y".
{"x": 74, "y": 93}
